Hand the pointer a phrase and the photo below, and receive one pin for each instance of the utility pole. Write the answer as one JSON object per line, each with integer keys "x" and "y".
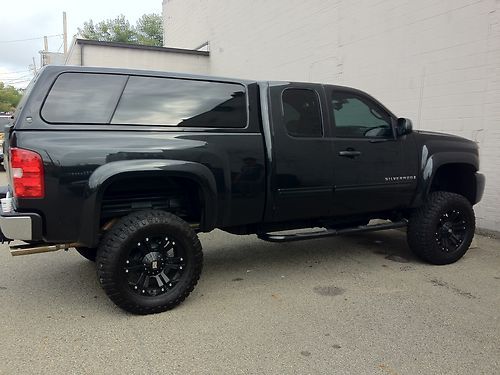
{"x": 65, "y": 33}
{"x": 34, "y": 66}
{"x": 45, "y": 50}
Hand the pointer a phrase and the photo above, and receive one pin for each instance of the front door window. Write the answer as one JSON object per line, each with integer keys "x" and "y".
{"x": 357, "y": 117}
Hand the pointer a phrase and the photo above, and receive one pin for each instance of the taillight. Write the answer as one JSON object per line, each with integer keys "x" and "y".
{"x": 26, "y": 173}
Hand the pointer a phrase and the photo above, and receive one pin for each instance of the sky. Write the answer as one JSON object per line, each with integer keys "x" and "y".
{"x": 28, "y": 19}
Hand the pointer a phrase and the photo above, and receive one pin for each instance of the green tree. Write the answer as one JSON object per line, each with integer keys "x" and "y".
{"x": 9, "y": 98}
{"x": 147, "y": 31}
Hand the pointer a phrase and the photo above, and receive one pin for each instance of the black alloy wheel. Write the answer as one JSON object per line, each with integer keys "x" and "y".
{"x": 155, "y": 265}
{"x": 451, "y": 230}
{"x": 441, "y": 231}
{"x": 149, "y": 261}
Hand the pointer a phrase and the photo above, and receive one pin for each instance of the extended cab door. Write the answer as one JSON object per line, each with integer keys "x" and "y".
{"x": 373, "y": 169}
{"x": 302, "y": 176}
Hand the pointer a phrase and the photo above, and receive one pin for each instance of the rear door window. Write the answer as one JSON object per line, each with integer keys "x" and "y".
{"x": 83, "y": 98}
{"x": 302, "y": 113}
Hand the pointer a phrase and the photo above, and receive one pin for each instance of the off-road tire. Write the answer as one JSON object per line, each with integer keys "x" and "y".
{"x": 87, "y": 252}
{"x": 422, "y": 234}
{"x": 114, "y": 248}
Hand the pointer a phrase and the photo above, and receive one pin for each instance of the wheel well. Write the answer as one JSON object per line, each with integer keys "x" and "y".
{"x": 177, "y": 195}
{"x": 456, "y": 178}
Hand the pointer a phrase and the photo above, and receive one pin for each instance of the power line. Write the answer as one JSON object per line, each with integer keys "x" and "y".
{"x": 18, "y": 84}
{"x": 26, "y": 73}
{"x": 17, "y": 78}
{"x": 16, "y": 81}
{"x": 60, "y": 47}
{"x": 19, "y": 71}
{"x": 20, "y": 78}
{"x": 28, "y": 39}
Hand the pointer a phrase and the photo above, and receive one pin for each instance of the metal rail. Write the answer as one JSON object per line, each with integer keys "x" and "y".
{"x": 330, "y": 232}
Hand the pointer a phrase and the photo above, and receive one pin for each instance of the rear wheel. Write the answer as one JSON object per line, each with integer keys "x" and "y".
{"x": 149, "y": 262}
{"x": 441, "y": 231}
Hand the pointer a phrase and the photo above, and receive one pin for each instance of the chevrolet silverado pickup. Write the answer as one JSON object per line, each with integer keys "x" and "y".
{"x": 128, "y": 166}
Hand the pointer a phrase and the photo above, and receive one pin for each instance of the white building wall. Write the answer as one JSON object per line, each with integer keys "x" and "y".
{"x": 437, "y": 62}
{"x": 73, "y": 57}
{"x": 135, "y": 58}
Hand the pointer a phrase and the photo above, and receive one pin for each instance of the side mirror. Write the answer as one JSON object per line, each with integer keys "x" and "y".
{"x": 404, "y": 126}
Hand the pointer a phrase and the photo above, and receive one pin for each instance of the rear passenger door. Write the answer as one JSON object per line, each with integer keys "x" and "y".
{"x": 303, "y": 177}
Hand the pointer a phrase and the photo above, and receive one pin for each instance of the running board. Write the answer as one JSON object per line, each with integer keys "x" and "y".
{"x": 330, "y": 232}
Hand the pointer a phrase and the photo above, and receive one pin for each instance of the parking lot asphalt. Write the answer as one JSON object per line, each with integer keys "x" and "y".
{"x": 359, "y": 304}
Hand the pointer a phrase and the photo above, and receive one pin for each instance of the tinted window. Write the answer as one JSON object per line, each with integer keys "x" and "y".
{"x": 302, "y": 113}
{"x": 83, "y": 98}
{"x": 359, "y": 117}
{"x": 178, "y": 102}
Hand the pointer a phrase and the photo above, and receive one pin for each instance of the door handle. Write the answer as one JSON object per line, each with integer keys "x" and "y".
{"x": 349, "y": 153}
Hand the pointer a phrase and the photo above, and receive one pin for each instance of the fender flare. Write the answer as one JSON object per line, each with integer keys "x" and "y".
{"x": 430, "y": 164}
{"x": 108, "y": 173}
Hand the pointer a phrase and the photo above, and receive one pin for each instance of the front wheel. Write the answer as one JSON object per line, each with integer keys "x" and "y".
{"x": 441, "y": 231}
{"x": 149, "y": 262}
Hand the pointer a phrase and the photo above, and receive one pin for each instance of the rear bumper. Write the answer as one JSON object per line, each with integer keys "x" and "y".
{"x": 480, "y": 183}
{"x": 19, "y": 225}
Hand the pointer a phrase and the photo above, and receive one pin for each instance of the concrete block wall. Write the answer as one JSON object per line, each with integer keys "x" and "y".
{"x": 437, "y": 62}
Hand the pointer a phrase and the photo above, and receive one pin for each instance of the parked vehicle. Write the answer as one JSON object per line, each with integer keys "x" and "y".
{"x": 4, "y": 120}
{"x": 128, "y": 166}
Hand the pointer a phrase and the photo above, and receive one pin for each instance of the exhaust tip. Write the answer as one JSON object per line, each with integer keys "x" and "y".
{"x": 28, "y": 249}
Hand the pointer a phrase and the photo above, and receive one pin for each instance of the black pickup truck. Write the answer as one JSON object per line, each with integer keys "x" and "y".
{"x": 128, "y": 166}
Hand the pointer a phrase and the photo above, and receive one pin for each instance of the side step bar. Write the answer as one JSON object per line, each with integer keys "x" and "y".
{"x": 330, "y": 232}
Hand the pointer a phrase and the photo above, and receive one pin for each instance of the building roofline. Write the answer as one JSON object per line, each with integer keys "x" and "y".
{"x": 141, "y": 47}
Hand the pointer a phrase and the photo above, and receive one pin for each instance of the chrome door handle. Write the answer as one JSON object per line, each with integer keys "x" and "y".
{"x": 349, "y": 153}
